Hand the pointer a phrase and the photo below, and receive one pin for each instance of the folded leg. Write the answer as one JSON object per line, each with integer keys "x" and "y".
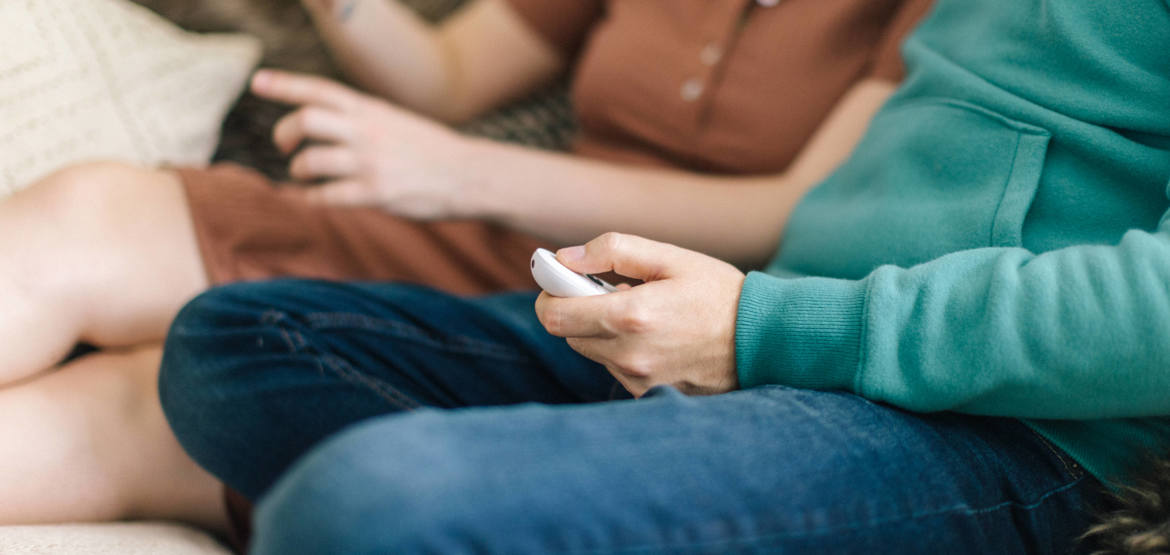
{"x": 102, "y": 252}
{"x": 88, "y": 442}
{"x": 772, "y": 470}
{"x": 256, "y": 373}
{"x": 517, "y": 443}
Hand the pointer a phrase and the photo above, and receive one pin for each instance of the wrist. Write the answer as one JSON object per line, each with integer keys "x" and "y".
{"x": 474, "y": 191}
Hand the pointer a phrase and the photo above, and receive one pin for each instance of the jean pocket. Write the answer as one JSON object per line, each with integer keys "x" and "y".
{"x": 932, "y": 176}
{"x": 1071, "y": 467}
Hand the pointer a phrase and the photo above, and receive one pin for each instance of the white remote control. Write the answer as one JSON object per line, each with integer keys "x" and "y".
{"x": 559, "y": 281}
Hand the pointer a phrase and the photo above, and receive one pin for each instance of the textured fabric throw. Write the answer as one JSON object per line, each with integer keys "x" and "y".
{"x": 107, "y": 79}
{"x": 141, "y": 538}
{"x": 544, "y": 119}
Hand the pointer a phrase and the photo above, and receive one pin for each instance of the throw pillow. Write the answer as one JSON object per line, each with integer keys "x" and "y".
{"x": 108, "y": 79}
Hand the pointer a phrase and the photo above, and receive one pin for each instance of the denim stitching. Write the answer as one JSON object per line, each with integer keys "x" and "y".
{"x": 301, "y": 341}
{"x": 296, "y": 343}
{"x": 959, "y": 509}
{"x": 292, "y": 347}
{"x": 292, "y": 338}
{"x": 1071, "y": 467}
{"x": 379, "y": 387}
{"x": 456, "y": 343}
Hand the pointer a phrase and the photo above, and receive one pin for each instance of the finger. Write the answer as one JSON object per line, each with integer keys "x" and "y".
{"x": 311, "y": 122}
{"x": 628, "y": 255}
{"x": 597, "y": 350}
{"x": 323, "y": 162}
{"x": 590, "y": 348}
{"x": 636, "y": 388}
{"x": 576, "y": 317}
{"x": 298, "y": 88}
{"x": 345, "y": 192}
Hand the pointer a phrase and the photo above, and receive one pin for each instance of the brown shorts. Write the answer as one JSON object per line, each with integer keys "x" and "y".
{"x": 248, "y": 229}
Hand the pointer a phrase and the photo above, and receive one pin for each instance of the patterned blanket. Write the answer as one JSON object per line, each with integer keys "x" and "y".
{"x": 542, "y": 120}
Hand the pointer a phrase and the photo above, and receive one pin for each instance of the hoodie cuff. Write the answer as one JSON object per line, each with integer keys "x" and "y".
{"x": 803, "y": 333}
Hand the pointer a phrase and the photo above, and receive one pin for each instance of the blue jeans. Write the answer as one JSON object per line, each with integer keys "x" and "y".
{"x": 395, "y": 419}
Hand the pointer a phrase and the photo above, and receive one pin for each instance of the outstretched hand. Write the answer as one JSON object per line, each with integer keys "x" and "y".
{"x": 363, "y": 150}
{"x": 677, "y": 328}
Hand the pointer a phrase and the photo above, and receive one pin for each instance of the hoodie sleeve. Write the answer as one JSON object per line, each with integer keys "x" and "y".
{"x": 1079, "y": 333}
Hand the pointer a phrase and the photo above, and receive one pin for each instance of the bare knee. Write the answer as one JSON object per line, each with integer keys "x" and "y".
{"x": 92, "y": 205}
{"x": 84, "y": 215}
{"x": 101, "y": 189}
{"x": 72, "y": 440}
{"x": 127, "y": 232}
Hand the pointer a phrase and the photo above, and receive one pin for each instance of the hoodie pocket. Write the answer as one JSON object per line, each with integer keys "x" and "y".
{"x": 931, "y": 177}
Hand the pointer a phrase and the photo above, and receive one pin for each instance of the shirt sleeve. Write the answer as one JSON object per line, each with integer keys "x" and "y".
{"x": 564, "y": 24}
{"x": 1077, "y": 333}
{"x": 887, "y": 62}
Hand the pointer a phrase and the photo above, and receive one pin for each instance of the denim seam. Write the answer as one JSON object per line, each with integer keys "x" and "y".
{"x": 958, "y": 509}
{"x": 379, "y": 387}
{"x": 296, "y": 343}
{"x": 460, "y": 344}
{"x": 1073, "y": 469}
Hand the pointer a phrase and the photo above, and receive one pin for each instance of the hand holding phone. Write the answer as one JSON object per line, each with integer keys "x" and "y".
{"x": 559, "y": 281}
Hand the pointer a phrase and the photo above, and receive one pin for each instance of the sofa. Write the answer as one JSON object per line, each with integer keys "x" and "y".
{"x": 544, "y": 120}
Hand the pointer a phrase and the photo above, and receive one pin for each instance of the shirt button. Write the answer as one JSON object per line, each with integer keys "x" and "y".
{"x": 711, "y": 54}
{"x": 768, "y": 3}
{"x": 692, "y": 89}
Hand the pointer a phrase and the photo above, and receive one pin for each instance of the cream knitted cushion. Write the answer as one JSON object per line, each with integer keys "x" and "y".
{"x": 138, "y": 538}
{"x": 108, "y": 79}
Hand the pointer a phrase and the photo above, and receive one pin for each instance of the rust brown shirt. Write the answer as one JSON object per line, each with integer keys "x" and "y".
{"x": 724, "y": 86}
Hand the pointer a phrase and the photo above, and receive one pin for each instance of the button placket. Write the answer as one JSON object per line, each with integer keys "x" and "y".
{"x": 692, "y": 89}
{"x": 711, "y": 54}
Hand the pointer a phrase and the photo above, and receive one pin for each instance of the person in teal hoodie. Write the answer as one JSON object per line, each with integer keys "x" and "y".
{"x": 961, "y": 341}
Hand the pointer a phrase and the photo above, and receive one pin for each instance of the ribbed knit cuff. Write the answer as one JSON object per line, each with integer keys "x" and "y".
{"x": 802, "y": 332}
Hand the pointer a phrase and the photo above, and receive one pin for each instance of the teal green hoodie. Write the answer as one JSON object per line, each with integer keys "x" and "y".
{"x": 999, "y": 242}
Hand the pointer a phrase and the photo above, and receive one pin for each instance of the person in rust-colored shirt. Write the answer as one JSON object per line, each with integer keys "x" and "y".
{"x": 699, "y": 119}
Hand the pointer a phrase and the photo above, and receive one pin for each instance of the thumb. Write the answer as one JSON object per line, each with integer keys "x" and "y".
{"x": 628, "y": 255}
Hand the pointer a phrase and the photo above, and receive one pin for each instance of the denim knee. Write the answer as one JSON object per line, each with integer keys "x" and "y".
{"x": 396, "y": 484}
{"x": 190, "y": 374}
{"x": 208, "y": 342}
{"x": 203, "y": 377}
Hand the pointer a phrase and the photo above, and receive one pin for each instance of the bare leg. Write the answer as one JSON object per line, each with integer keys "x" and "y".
{"x": 89, "y": 443}
{"x": 100, "y": 252}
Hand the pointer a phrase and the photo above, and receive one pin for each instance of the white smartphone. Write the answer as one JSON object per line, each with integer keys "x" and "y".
{"x": 559, "y": 281}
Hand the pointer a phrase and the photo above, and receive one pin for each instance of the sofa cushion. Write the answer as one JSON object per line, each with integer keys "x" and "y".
{"x": 108, "y": 79}
{"x": 112, "y": 539}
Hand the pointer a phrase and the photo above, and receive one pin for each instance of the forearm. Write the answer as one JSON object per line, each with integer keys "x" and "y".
{"x": 569, "y": 200}
{"x": 481, "y": 56}
{"x": 387, "y": 49}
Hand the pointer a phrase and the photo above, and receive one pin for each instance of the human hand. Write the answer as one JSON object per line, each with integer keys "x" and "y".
{"x": 365, "y": 150}
{"x": 677, "y": 328}
{"x": 317, "y": 7}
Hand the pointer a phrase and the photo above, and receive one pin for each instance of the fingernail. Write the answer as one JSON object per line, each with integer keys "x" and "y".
{"x": 261, "y": 78}
{"x": 571, "y": 254}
